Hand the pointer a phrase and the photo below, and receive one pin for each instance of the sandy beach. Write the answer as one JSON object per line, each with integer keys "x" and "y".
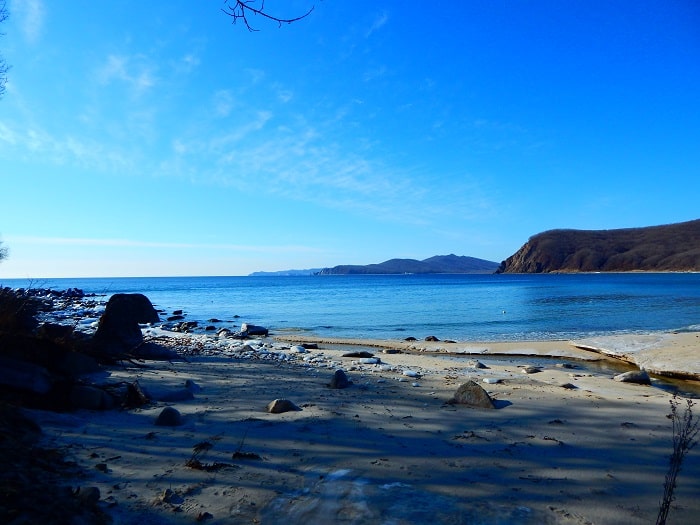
{"x": 565, "y": 444}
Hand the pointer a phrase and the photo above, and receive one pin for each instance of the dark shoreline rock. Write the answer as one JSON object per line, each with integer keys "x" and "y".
{"x": 118, "y": 331}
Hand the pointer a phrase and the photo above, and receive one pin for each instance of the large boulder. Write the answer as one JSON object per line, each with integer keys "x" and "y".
{"x": 473, "y": 395}
{"x": 118, "y": 331}
{"x": 248, "y": 329}
{"x": 340, "y": 380}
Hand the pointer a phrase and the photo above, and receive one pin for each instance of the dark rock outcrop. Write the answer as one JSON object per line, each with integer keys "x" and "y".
{"x": 118, "y": 331}
{"x": 252, "y": 330}
{"x": 672, "y": 247}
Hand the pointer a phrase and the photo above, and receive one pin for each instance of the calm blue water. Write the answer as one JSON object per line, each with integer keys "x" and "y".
{"x": 459, "y": 307}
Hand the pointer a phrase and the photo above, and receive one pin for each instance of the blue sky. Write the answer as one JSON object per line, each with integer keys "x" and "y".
{"x": 156, "y": 138}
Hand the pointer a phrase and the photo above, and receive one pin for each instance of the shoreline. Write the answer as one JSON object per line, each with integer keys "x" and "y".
{"x": 563, "y": 446}
{"x": 674, "y": 355}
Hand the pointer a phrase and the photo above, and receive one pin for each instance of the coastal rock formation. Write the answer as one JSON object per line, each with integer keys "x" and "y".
{"x": 672, "y": 247}
{"x": 118, "y": 330}
{"x": 248, "y": 329}
{"x": 437, "y": 264}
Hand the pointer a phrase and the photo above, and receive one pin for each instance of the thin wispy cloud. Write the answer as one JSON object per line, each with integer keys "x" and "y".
{"x": 285, "y": 95}
{"x": 292, "y": 159}
{"x": 255, "y": 76}
{"x": 187, "y": 63}
{"x": 7, "y": 135}
{"x": 233, "y": 136}
{"x": 131, "y": 243}
{"x": 223, "y": 102}
{"x": 299, "y": 163}
{"x": 374, "y": 73}
{"x": 37, "y": 143}
{"x": 31, "y": 15}
{"x": 379, "y": 21}
{"x": 134, "y": 71}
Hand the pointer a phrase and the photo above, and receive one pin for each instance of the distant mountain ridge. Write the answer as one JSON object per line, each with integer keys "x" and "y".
{"x": 670, "y": 247}
{"x": 310, "y": 271}
{"x": 436, "y": 264}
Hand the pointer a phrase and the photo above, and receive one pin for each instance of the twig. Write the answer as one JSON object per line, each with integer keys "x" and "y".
{"x": 240, "y": 9}
{"x": 685, "y": 431}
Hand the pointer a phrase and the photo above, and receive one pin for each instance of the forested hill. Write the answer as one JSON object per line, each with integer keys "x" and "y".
{"x": 437, "y": 264}
{"x": 671, "y": 247}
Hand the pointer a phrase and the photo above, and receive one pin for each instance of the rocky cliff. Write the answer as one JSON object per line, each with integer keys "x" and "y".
{"x": 671, "y": 247}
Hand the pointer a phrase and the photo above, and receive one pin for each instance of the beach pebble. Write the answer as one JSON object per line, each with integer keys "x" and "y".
{"x": 278, "y": 406}
{"x": 491, "y": 380}
{"x": 298, "y": 349}
{"x": 415, "y": 384}
{"x": 639, "y": 377}
{"x": 340, "y": 380}
{"x": 476, "y": 364}
{"x": 171, "y": 497}
{"x": 169, "y": 417}
{"x": 410, "y": 373}
{"x": 529, "y": 369}
{"x": 369, "y": 360}
{"x": 88, "y": 496}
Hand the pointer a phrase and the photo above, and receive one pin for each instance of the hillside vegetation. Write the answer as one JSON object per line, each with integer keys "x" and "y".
{"x": 671, "y": 247}
{"x": 437, "y": 264}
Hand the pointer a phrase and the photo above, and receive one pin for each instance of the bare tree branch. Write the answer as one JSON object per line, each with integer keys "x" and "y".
{"x": 241, "y": 9}
{"x": 4, "y": 68}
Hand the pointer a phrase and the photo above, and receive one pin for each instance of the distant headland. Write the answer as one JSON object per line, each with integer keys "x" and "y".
{"x": 433, "y": 265}
{"x": 665, "y": 248}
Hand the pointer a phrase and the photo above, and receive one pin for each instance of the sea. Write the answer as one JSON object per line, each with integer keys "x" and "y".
{"x": 483, "y": 307}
